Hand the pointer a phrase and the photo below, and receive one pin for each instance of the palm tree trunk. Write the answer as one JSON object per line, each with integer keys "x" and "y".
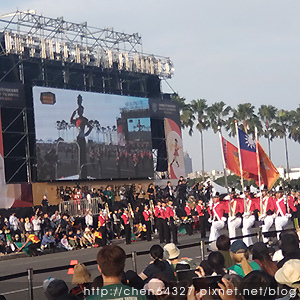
{"x": 269, "y": 143}
{"x": 202, "y": 153}
{"x": 287, "y": 158}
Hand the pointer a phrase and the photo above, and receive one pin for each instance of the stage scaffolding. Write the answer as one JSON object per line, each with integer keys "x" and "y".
{"x": 28, "y": 34}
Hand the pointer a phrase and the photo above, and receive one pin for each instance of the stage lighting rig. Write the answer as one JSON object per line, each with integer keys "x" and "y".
{"x": 56, "y": 39}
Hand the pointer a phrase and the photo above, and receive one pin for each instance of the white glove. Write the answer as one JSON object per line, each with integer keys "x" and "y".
{"x": 288, "y": 215}
{"x": 261, "y": 217}
{"x": 246, "y": 215}
{"x": 223, "y": 219}
{"x": 210, "y": 220}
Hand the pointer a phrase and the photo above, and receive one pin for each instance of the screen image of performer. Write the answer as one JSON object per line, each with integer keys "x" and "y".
{"x": 176, "y": 153}
{"x": 81, "y": 123}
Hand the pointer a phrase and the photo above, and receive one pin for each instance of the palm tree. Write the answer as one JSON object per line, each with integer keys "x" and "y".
{"x": 199, "y": 109}
{"x": 216, "y": 114}
{"x": 267, "y": 115}
{"x": 187, "y": 119}
{"x": 294, "y": 130}
{"x": 281, "y": 128}
{"x": 180, "y": 101}
{"x": 244, "y": 113}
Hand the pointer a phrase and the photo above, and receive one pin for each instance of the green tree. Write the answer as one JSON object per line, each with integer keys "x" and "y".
{"x": 294, "y": 129}
{"x": 199, "y": 109}
{"x": 217, "y": 114}
{"x": 281, "y": 128}
{"x": 245, "y": 115}
{"x": 267, "y": 115}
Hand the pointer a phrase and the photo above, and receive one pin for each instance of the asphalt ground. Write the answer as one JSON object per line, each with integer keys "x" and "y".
{"x": 15, "y": 289}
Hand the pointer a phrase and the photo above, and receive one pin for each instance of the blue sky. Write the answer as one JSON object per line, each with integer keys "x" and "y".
{"x": 232, "y": 51}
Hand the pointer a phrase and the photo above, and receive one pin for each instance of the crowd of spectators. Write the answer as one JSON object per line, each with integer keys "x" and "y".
{"x": 234, "y": 272}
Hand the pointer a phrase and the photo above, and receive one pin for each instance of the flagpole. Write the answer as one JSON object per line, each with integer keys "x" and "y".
{"x": 225, "y": 169}
{"x": 240, "y": 156}
{"x": 223, "y": 158}
{"x": 240, "y": 159}
{"x": 258, "y": 170}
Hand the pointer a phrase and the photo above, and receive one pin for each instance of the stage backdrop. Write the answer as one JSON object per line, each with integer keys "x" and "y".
{"x": 84, "y": 135}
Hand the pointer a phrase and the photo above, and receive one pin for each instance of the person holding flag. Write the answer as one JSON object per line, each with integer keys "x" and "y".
{"x": 236, "y": 210}
{"x": 218, "y": 219}
{"x": 267, "y": 213}
{"x": 251, "y": 207}
{"x": 281, "y": 211}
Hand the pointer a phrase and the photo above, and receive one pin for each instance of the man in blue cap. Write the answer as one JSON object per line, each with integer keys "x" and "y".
{"x": 239, "y": 253}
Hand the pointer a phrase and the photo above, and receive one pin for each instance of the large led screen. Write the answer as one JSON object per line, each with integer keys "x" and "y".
{"x": 84, "y": 135}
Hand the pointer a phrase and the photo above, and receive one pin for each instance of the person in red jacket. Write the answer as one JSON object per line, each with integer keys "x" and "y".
{"x": 102, "y": 228}
{"x": 251, "y": 207}
{"x": 127, "y": 228}
{"x": 236, "y": 210}
{"x": 217, "y": 219}
{"x": 171, "y": 215}
{"x": 267, "y": 213}
{"x": 147, "y": 219}
{"x": 282, "y": 216}
{"x": 159, "y": 221}
{"x": 200, "y": 208}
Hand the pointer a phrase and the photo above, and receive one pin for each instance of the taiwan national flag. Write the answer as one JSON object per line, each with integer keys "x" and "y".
{"x": 248, "y": 153}
{"x": 231, "y": 156}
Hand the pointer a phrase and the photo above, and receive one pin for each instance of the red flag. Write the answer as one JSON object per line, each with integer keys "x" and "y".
{"x": 269, "y": 174}
{"x": 231, "y": 156}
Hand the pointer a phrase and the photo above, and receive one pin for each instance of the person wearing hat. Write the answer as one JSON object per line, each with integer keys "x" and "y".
{"x": 82, "y": 279}
{"x": 282, "y": 216}
{"x": 57, "y": 289}
{"x": 267, "y": 213}
{"x": 252, "y": 206}
{"x": 289, "y": 274}
{"x": 171, "y": 254}
{"x": 239, "y": 253}
{"x": 217, "y": 219}
{"x": 236, "y": 210}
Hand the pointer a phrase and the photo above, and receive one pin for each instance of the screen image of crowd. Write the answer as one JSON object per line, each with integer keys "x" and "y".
{"x": 236, "y": 268}
{"x": 91, "y": 135}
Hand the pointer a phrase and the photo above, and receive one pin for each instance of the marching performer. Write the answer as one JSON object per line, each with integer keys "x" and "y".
{"x": 102, "y": 228}
{"x": 267, "y": 213}
{"x": 200, "y": 208}
{"x": 292, "y": 208}
{"x": 159, "y": 221}
{"x": 127, "y": 227}
{"x": 251, "y": 206}
{"x": 147, "y": 217}
{"x": 165, "y": 223}
{"x": 188, "y": 219}
{"x": 236, "y": 210}
{"x": 217, "y": 220}
{"x": 282, "y": 216}
{"x": 171, "y": 215}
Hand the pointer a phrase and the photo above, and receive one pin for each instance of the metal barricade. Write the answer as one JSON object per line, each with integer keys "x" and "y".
{"x": 79, "y": 208}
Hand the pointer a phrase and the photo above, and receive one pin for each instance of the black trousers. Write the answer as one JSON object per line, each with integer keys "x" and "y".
{"x": 103, "y": 232}
{"x": 167, "y": 237}
{"x": 189, "y": 228}
{"x": 202, "y": 226}
{"x": 160, "y": 228}
{"x": 174, "y": 232}
{"x": 127, "y": 230}
{"x": 148, "y": 228}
